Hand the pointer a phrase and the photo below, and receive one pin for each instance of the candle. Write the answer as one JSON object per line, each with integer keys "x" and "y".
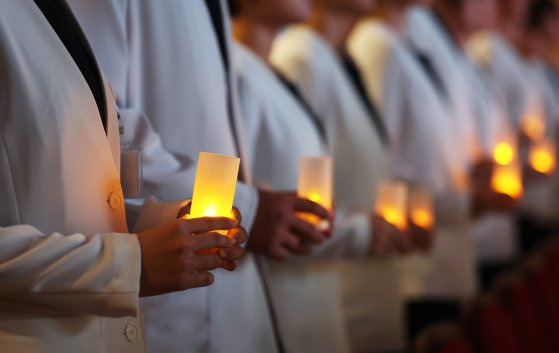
{"x": 391, "y": 204}
{"x": 533, "y": 126}
{"x": 542, "y": 156}
{"x": 507, "y": 179}
{"x": 316, "y": 178}
{"x": 504, "y": 153}
{"x": 421, "y": 208}
{"x": 214, "y": 186}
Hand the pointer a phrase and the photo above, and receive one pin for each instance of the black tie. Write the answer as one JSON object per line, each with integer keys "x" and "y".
{"x": 216, "y": 14}
{"x": 355, "y": 76}
{"x": 62, "y": 20}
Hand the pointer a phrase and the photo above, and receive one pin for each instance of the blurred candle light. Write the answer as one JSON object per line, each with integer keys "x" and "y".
{"x": 507, "y": 179}
{"x": 391, "y": 204}
{"x": 316, "y": 180}
{"x": 504, "y": 153}
{"x": 533, "y": 125}
{"x": 542, "y": 156}
{"x": 421, "y": 208}
{"x": 214, "y": 186}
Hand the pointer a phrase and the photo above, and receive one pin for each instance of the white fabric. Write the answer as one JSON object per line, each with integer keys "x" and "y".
{"x": 422, "y": 137}
{"x": 66, "y": 263}
{"x": 279, "y": 132}
{"x": 361, "y": 162}
{"x": 406, "y": 98}
{"x": 166, "y": 68}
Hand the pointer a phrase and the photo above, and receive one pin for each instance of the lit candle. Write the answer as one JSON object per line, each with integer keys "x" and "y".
{"x": 507, "y": 179}
{"x": 542, "y": 156}
{"x": 505, "y": 152}
{"x": 315, "y": 183}
{"x": 421, "y": 208}
{"x": 391, "y": 204}
{"x": 533, "y": 125}
{"x": 214, "y": 186}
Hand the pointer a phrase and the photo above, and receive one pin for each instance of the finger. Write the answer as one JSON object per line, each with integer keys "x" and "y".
{"x": 205, "y": 224}
{"x": 229, "y": 265}
{"x": 201, "y": 262}
{"x": 185, "y": 210}
{"x": 232, "y": 254}
{"x": 196, "y": 280}
{"x": 239, "y": 234}
{"x": 306, "y": 231}
{"x": 278, "y": 252}
{"x": 304, "y": 205}
{"x": 301, "y": 250}
{"x": 197, "y": 242}
{"x": 237, "y": 215}
{"x": 290, "y": 240}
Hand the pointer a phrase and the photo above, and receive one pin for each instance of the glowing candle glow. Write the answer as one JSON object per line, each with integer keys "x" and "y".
{"x": 214, "y": 186}
{"x": 316, "y": 184}
{"x": 533, "y": 126}
{"x": 542, "y": 156}
{"x": 421, "y": 208}
{"x": 508, "y": 180}
{"x": 504, "y": 154}
{"x": 391, "y": 203}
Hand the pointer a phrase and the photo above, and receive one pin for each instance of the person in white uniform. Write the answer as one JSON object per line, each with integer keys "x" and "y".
{"x": 438, "y": 34}
{"x": 170, "y": 66}
{"x": 282, "y": 127}
{"x": 70, "y": 273}
{"x": 313, "y": 55}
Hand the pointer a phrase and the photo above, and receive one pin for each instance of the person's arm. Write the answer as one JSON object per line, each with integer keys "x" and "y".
{"x": 69, "y": 274}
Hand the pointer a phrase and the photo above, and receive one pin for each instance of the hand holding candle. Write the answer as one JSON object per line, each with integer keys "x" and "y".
{"x": 422, "y": 217}
{"x": 508, "y": 180}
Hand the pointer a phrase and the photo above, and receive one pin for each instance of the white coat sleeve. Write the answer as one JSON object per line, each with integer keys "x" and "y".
{"x": 69, "y": 274}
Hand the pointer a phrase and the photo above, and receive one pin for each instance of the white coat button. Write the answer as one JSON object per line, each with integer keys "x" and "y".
{"x": 131, "y": 332}
{"x": 115, "y": 200}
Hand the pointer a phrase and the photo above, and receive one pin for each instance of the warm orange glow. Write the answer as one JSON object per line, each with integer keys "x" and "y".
{"x": 315, "y": 183}
{"x": 395, "y": 218}
{"x": 423, "y": 219}
{"x": 421, "y": 207}
{"x": 391, "y": 203}
{"x": 214, "y": 186}
{"x": 543, "y": 157}
{"x": 503, "y": 153}
{"x": 507, "y": 180}
{"x": 533, "y": 126}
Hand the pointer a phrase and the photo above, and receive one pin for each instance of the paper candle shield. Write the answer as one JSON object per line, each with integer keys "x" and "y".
{"x": 315, "y": 183}
{"x": 421, "y": 208}
{"x": 214, "y": 186}
{"x": 508, "y": 180}
{"x": 391, "y": 204}
{"x": 543, "y": 156}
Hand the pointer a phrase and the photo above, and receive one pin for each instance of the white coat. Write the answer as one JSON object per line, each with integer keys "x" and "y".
{"x": 69, "y": 273}
{"x": 166, "y": 68}
{"x": 401, "y": 90}
{"x": 279, "y": 132}
{"x": 370, "y": 287}
{"x": 476, "y": 109}
{"x": 422, "y": 145}
{"x": 525, "y": 91}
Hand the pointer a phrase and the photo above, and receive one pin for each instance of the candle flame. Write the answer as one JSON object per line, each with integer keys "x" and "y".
{"x": 542, "y": 157}
{"x": 503, "y": 153}
{"x": 508, "y": 182}
{"x": 394, "y": 217}
{"x": 423, "y": 219}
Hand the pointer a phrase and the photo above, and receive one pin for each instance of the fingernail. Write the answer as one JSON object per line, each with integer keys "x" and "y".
{"x": 222, "y": 254}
